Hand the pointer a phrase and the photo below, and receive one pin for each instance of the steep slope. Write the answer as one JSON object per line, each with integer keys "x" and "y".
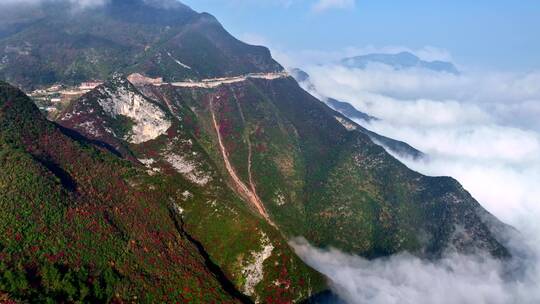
{"x": 377, "y": 205}
{"x": 252, "y": 253}
{"x": 57, "y": 43}
{"x": 345, "y": 108}
{"x": 318, "y": 175}
{"x": 124, "y": 230}
{"x": 79, "y": 224}
{"x": 350, "y": 112}
{"x": 393, "y": 146}
{"x": 324, "y": 180}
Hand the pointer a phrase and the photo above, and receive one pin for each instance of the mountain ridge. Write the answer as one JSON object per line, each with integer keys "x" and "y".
{"x": 235, "y": 96}
{"x": 399, "y": 61}
{"x": 353, "y": 116}
{"x": 124, "y": 36}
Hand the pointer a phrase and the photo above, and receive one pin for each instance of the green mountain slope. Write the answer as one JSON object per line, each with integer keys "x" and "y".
{"x": 79, "y": 223}
{"x": 321, "y": 179}
{"x": 316, "y": 173}
{"x": 252, "y": 253}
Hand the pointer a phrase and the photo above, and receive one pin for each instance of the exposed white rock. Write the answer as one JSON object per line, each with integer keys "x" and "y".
{"x": 90, "y": 128}
{"x": 186, "y": 195}
{"x": 280, "y": 199}
{"x": 254, "y": 271}
{"x": 348, "y": 125}
{"x": 66, "y": 116}
{"x": 149, "y": 120}
{"x": 181, "y": 164}
{"x": 187, "y": 168}
{"x": 147, "y": 161}
{"x": 185, "y": 164}
{"x": 179, "y": 209}
{"x": 185, "y": 66}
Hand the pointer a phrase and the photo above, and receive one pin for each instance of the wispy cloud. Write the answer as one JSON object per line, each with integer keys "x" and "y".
{"x": 406, "y": 279}
{"x": 254, "y": 39}
{"x": 315, "y": 5}
{"x": 324, "y": 5}
{"x": 502, "y": 97}
{"x": 307, "y": 57}
{"x": 259, "y": 3}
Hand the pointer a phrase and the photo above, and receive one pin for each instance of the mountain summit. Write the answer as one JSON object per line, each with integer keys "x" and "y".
{"x": 158, "y": 38}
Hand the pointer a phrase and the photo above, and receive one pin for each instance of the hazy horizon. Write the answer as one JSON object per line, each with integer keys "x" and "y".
{"x": 485, "y": 34}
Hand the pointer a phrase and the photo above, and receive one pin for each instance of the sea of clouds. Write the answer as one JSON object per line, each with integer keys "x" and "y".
{"x": 480, "y": 127}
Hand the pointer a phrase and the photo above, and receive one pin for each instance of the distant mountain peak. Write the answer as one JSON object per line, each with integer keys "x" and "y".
{"x": 399, "y": 61}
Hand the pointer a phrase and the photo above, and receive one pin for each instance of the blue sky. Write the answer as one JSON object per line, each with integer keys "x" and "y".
{"x": 501, "y": 34}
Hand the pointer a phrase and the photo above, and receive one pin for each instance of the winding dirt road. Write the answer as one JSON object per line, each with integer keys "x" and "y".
{"x": 216, "y": 82}
{"x": 249, "y": 193}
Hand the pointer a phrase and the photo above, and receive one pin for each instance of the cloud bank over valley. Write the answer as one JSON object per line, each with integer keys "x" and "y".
{"x": 480, "y": 127}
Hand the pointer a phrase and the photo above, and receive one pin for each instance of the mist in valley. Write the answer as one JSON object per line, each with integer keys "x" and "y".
{"x": 480, "y": 127}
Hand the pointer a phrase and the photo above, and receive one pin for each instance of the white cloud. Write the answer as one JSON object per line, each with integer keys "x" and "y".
{"x": 405, "y": 279}
{"x": 480, "y": 127}
{"x": 88, "y": 3}
{"x": 505, "y": 98}
{"x": 254, "y": 39}
{"x": 323, "y": 5}
{"x": 282, "y": 3}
